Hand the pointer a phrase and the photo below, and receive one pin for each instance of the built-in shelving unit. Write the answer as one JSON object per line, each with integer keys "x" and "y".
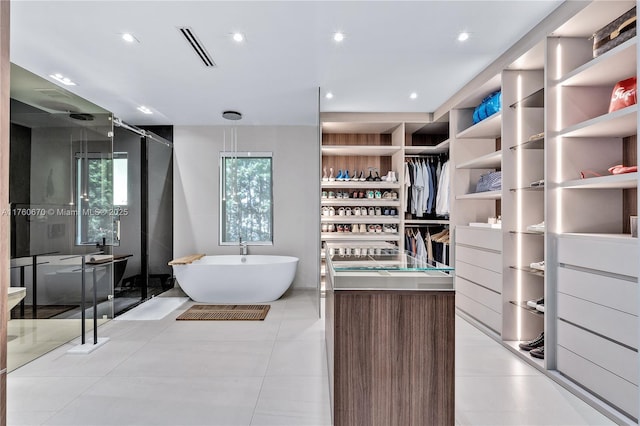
{"x": 488, "y": 195}
{"x": 361, "y": 185}
{"x": 365, "y": 202}
{"x": 359, "y": 150}
{"x": 488, "y": 128}
{"x": 537, "y": 143}
{"x": 615, "y": 124}
{"x": 523, "y": 305}
{"x": 360, "y": 219}
{"x": 622, "y": 181}
{"x": 442, "y": 147}
{"x": 493, "y": 160}
{"x": 359, "y": 236}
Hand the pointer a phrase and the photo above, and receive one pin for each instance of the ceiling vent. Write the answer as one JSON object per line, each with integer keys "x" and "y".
{"x": 197, "y": 46}
{"x": 53, "y": 93}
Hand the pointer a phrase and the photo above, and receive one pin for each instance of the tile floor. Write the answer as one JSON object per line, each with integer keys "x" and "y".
{"x": 169, "y": 372}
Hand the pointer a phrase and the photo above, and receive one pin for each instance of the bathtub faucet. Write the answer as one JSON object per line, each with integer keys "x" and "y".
{"x": 243, "y": 248}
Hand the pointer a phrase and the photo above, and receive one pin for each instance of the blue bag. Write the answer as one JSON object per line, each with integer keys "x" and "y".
{"x": 489, "y": 106}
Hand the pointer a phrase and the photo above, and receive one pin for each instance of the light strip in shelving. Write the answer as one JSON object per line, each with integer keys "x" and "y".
{"x": 558, "y": 155}
{"x": 519, "y": 184}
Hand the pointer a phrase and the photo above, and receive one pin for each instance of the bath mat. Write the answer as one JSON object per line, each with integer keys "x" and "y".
{"x": 225, "y": 313}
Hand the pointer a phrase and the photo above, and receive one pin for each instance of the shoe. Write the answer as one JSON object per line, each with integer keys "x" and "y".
{"x": 537, "y": 353}
{"x": 537, "y": 265}
{"x": 536, "y": 302}
{"x": 363, "y": 228}
{"x": 361, "y": 178}
{"x": 340, "y": 175}
{"x": 377, "y": 178}
{"x": 363, "y": 211}
{"x": 361, "y": 194}
{"x": 538, "y": 342}
{"x": 372, "y": 211}
{"x": 378, "y": 194}
{"x": 340, "y": 228}
{"x": 347, "y": 211}
{"x": 324, "y": 194}
{"x": 355, "y": 228}
{"x": 325, "y": 177}
{"x": 393, "y": 212}
{"x": 345, "y": 176}
{"x": 387, "y": 211}
{"x": 325, "y": 211}
{"x": 356, "y": 211}
{"x": 378, "y": 211}
{"x": 332, "y": 194}
{"x": 325, "y": 227}
{"x": 332, "y": 211}
{"x": 537, "y": 183}
{"x": 370, "y": 194}
{"x": 540, "y": 307}
{"x": 331, "y": 178}
{"x": 537, "y": 227}
{"x": 394, "y": 195}
{"x": 354, "y": 194}
{"x": 378, "y": 228}
{"x": 370, "y": 177}
{"x": 341, "y": 211}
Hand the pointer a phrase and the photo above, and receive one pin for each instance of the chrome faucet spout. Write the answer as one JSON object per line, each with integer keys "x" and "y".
{"x": 244, "y": 250}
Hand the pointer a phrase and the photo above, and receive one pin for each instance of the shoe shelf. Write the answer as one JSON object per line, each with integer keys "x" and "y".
{"x": 360, "y": 219}
{"x": 622, "y": 181}
{"x": 360, "y": 150}
{"x": 534, "y": 100}
{"x": 489, "y": 195}
{"x": 523, "y": 305}
{"x": 361, "y": 185}
{"x": 492, "y": 160}
{"x": 360, "y": 202}
{"x": 358, "y": 236}
{"x": 426, "y": 222}
{"x": 513, "y": 346}
{"x": 435, "y": 149}
{"x": 537, "y": 143}
{"x": 540, "y": 234}
{"x": 617, "y": 64}
{"x": 536, "y": 272}
{"x": 488, "y": 128}
{"x": 619, "y": 123}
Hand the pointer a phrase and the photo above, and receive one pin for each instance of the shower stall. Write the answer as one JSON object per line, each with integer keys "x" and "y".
{"x": 91, "y": 210}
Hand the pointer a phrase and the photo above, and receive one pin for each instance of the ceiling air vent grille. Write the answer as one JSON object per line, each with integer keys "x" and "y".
{"x": 197, "y": 46}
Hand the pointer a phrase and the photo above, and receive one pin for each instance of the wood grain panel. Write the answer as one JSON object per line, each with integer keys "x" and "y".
{"x": 4, "y": 200}
{"x": 394, "y": 358}
{"x": 629, "y": 196}
{"x": 356, "y": 139}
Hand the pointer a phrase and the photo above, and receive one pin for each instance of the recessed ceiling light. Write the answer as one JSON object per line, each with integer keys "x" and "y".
{"x": 128, "y": 38}
{"x": 329, "y": 95}
{"x": 463, "y": 36}
{"x": 413, "y": 95}
{"x": 144, "y": 109}
{"x": 338, "y": 37}
{"x": 62, "y": 79}
{"x": 238, "y": 37}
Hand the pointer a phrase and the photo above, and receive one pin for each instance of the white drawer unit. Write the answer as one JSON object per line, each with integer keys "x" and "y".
{"x": 614, "y": 255}
{"x": 611, "y": 387}
{"x": 604, "y": 290}
{"x": 488, "y": 298}
{"x": 614, "y": 358}
{"x": 480, "y": 312}
{"x": 479, "y": 237}
{"x": 479, "y": 275}
{"x": 479, "y": 257}
{"x": 616, "y": 325}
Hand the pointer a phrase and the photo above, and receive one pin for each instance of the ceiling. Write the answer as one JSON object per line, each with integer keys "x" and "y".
{"x": 390, "y": 50}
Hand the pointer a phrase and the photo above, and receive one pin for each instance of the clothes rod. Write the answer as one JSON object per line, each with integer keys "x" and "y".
{"x": 424, "y": 155}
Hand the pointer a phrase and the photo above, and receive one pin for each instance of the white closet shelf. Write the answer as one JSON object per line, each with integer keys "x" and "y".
{"x": 361, "y": 185}
{"x": 493, "y": 160}
{"x": 488, "y": 128}
{"x": 356, "y": 236}
{"x": 617, "y": 64}
{"x": 626, "y": 180}
{"x": 436, "y": 149}
{"x": 359, "y": 202}
{"x": 373, "y": 244}
{"x": 619, "y": 123}
{"x": 360, "y": 150}
{"x": 489, "y": 195}
{"x": 626, "y": 238}
{"x": 361, "y": 219}
{"x": 426, "y": 222}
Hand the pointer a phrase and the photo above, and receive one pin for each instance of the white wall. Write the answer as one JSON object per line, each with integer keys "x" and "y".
{"x": 296, "y": 192}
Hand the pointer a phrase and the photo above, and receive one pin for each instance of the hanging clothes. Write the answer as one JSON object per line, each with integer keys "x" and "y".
{"x": 442, "y": 199}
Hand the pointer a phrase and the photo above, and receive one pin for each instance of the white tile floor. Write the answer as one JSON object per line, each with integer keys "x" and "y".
{"x": 270, "y": 372}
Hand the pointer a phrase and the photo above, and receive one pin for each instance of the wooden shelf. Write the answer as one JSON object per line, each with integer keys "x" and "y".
{"x": 488, "y": 128}
{"x": 617, "y": 64}
{"x": 534, "y": 100}
{"x": 619, "y": 123}
{"x": 360, "y": 219}
{"x": 426, "y": 222}
{"x": 530, "y": 144}
{"x": 360, "y": 150}
{"x": 350, "y": 202}
{"x": 357, "y": 236}
{"x": 361, "y": 185}
{"x": 493, "y": 160}
{"x": 436, "y": 149}
{"x": 489, "y": 195}
{"x": 623, "y": 181}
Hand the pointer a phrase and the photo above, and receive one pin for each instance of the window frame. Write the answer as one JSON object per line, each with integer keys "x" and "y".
{"x": 221, "y": 165}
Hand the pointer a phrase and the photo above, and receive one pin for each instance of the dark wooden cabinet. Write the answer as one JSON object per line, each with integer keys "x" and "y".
{"x": 391, "y": 356}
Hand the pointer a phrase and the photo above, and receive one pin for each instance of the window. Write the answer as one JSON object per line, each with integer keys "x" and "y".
{"x": 246, "y": 208}
{"x": 102, "y": 192}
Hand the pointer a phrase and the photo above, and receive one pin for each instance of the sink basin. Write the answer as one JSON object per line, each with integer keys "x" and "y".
{"x": 16, "y": 294}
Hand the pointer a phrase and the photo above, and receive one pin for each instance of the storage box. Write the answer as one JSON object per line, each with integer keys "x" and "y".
{"x": 615, "y": 33}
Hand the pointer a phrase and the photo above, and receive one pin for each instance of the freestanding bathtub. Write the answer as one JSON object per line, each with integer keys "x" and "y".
{"x": 237, "y": 279}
